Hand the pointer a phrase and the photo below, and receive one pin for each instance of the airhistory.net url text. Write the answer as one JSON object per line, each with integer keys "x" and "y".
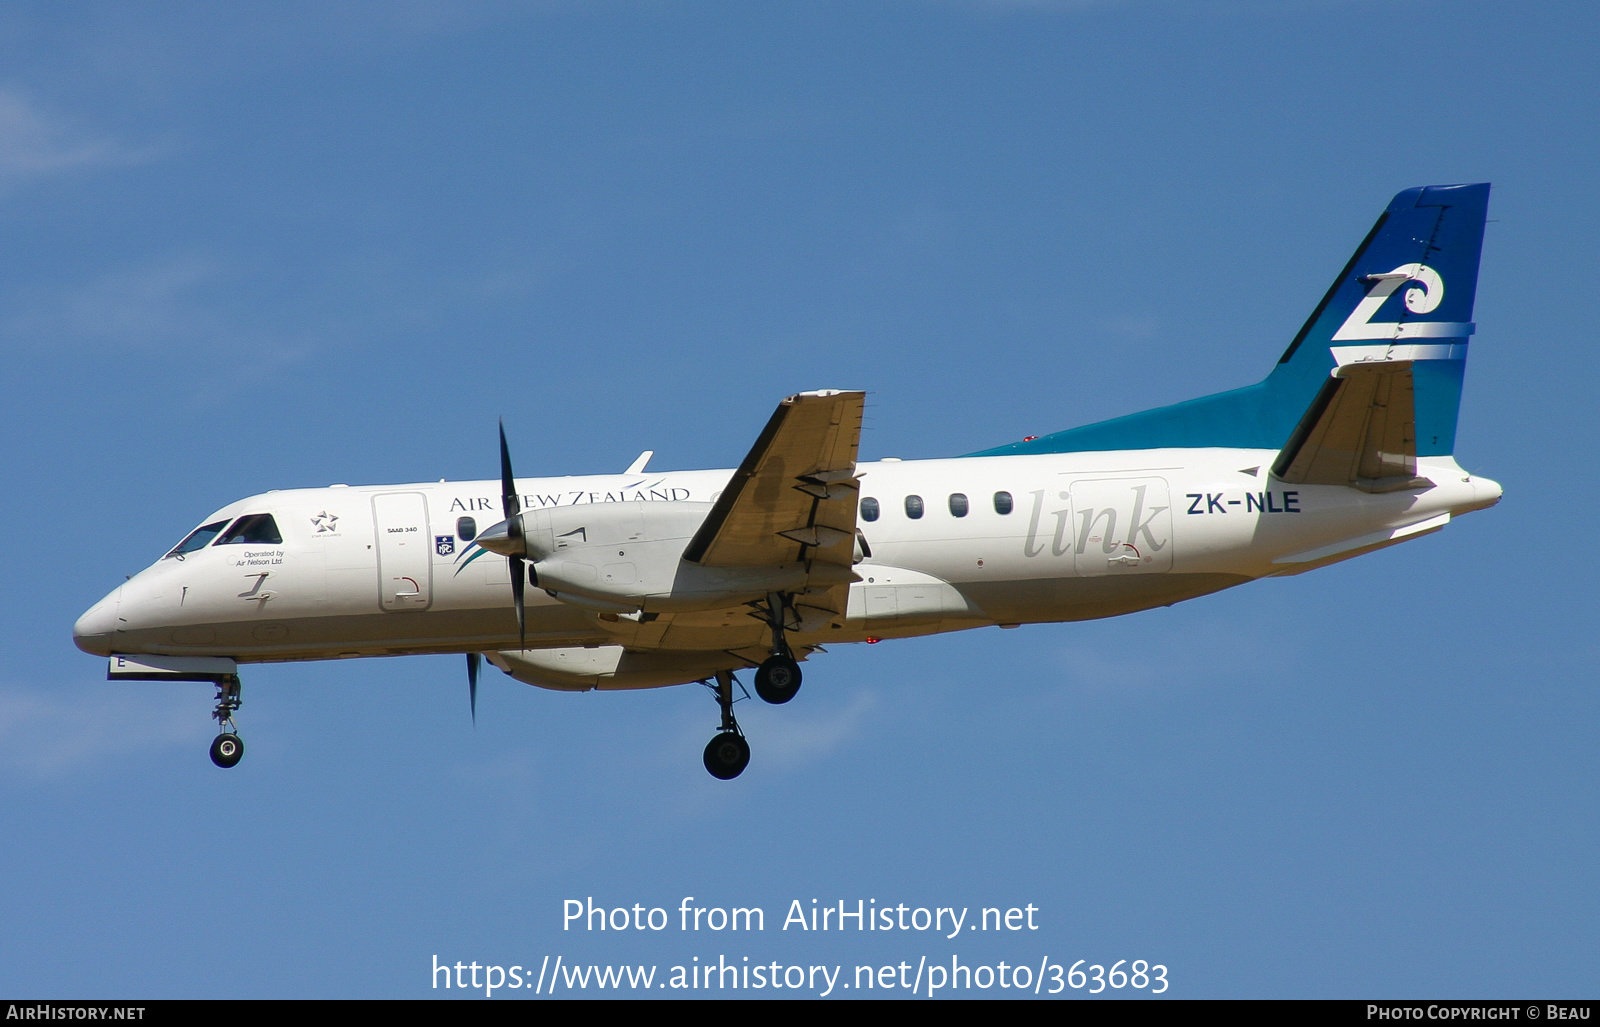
{"x": 925, "y": 977}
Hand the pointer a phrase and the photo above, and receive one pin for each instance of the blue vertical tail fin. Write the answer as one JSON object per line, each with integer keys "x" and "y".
{"x": 1406, "y": 294}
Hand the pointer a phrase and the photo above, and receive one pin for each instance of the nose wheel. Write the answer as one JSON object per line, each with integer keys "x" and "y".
{"x": 728, "y": 753}
{"x": 227, "y": 749}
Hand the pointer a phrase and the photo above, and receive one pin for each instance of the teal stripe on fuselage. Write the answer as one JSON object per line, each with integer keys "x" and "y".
{"x": 1258, "y": 416}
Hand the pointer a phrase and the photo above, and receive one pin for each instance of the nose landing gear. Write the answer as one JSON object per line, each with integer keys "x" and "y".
{"x": 227, "y": 748}
{"x": 728, "y": 753}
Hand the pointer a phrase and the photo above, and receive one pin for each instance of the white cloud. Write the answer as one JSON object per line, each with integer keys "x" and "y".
{"x": 1124, "y": 664}
{"x": 151, "y": 303}
{"x": 1011, "y": 6}
{"x": 1135, "y": 328}
{"x": 169, "y": 305}
{"x": 806, "y": 738}
{"x": 52, "y": 734}
{"x": 35, "y": 143}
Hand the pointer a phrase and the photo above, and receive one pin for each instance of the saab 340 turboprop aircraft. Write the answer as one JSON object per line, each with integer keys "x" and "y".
{"x": 645, "y": 579}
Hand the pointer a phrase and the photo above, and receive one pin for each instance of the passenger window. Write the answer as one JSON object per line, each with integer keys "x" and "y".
{"x": 197, "y": 539}
{"x": 869, "y": 509}
{"x": 958, "y": 504}
{"x": 913, "y": 507}
{"x": 1002, "y": 502}
{"x": 466, "y": 528}
{"x": 253, "y": 529}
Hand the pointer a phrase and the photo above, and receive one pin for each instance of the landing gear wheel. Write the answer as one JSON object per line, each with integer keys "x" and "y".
{"x": 727, "y": 755}
{"x": 228, "y": 749}
{"x": 778, "y": 679}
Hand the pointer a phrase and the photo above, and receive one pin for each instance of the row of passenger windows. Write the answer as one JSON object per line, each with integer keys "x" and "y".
{"x": 251, "y": 529}
{"x": 261, "y": 529}
{"x": 915, "y": 507}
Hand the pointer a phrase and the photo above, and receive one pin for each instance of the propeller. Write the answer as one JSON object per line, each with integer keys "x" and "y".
{"x": 506, "y": 539}
{"x": 512, "y": 506}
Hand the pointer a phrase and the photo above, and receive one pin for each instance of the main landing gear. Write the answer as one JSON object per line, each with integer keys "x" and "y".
{"x": 778, "y": 677}
{"x": 227, "y": 748}
{"x": 777, "y": 681}
{"x": 728, "y": 753}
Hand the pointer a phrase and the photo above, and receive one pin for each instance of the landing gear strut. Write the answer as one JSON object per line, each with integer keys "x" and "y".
{"x": 778, "y": 677}
{"x": 227, "y": 748}
{"x": 728, "y": 753}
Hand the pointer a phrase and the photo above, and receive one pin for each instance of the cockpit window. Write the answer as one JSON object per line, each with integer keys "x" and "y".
{"x": 198, "y": 538}
{"x": 252, "y": 529}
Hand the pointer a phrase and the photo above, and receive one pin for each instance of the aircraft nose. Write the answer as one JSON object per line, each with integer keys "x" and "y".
{"x": 97, "y": 626}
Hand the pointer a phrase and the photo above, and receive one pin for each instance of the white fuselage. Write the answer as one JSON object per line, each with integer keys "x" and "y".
{"x": 386, "y": 570}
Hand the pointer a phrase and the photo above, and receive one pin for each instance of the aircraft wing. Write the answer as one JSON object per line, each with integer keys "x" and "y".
{"x": 793, "y": 497}
{"x": 1360, "y": 431}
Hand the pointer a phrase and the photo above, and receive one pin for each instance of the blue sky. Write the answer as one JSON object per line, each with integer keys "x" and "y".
{"x": 248, "y": 249}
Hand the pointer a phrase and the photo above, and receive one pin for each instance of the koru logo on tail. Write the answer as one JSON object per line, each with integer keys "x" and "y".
{"x": 1423, "y": 300}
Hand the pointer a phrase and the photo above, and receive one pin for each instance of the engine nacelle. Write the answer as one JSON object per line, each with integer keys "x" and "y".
{"x": 608, "y": 667}
{"x": 627, "y": 557}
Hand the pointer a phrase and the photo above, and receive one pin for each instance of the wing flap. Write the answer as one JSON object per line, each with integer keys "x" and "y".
{"x": 793, "y": 497}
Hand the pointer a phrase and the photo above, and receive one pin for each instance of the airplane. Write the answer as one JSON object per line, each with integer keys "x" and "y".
{"x": 648, "y": 579}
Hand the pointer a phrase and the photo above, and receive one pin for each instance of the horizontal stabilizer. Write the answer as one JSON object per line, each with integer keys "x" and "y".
{"x": 1359, "y": 431}
{"x": 1351, "y": 546}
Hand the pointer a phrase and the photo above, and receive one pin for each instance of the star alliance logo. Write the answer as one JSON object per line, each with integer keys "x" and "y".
{"x": 326, "y": 521}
